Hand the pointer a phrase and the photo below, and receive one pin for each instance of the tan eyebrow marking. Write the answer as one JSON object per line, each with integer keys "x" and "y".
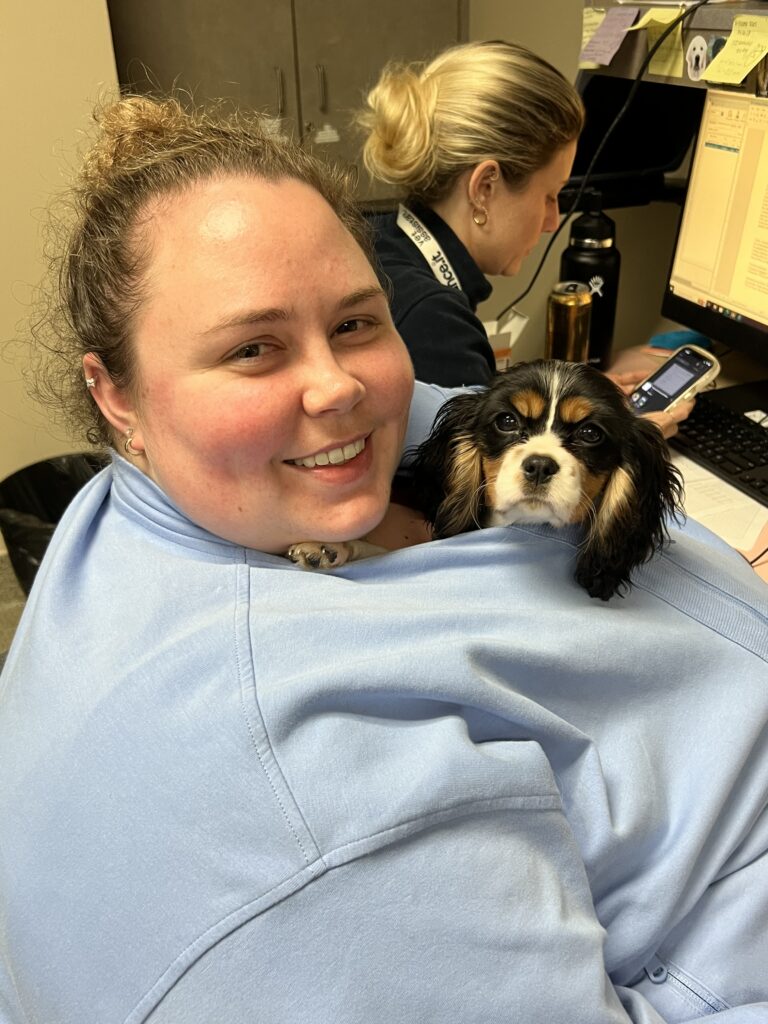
{"x": 528, "y": 403}
{"x": 575, "y": 408}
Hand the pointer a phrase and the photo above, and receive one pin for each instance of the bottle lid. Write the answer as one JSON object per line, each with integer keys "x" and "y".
{"x": 593, "y": 229}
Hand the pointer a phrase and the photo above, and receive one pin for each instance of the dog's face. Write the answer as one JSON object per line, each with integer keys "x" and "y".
{"x": 549, "y": 437}
{"x": 696, "y": 57}
{"x": 552, "y": 442}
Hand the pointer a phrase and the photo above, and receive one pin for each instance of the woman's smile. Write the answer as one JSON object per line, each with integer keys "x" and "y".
{"x": 334, "y": 456}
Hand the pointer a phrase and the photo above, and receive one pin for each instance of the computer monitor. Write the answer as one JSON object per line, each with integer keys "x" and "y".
{"x": 718, "y": 280}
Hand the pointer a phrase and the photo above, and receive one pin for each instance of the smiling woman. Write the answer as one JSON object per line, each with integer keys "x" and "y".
{"x": 277, "y": 397}
{"x": 437, "y": 784}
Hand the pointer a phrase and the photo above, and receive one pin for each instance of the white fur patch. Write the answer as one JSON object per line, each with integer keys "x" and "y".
{"x": 557, "y": 502}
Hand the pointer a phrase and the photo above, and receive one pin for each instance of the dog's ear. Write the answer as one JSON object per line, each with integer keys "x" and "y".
{"x": 629, "y": 523}
{"x": 448, "y": 470}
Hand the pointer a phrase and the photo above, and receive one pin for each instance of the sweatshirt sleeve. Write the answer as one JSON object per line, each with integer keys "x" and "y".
{"x": 461, "y": 921}
{"x": 714, "y": 964}
{"x": 464, "y": 920}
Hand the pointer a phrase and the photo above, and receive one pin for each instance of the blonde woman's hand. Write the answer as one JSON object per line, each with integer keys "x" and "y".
{"x": 667, "y": 422}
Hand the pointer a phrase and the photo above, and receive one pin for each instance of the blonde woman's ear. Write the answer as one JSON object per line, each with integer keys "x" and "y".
{"x": 483, "y": 181}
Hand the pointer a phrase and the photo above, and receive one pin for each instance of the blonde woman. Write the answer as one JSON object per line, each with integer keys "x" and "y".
{"x": 480, "y": 141}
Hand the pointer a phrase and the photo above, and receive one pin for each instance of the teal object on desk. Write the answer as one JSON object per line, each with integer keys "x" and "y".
{"x": 676, "y": 339}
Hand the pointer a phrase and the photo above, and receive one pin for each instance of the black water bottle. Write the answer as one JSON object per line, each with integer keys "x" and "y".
{"x": 593, "y": 259}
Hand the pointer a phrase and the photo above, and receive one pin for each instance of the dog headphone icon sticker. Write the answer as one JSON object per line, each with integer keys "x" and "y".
{"x": 696, "y": 58}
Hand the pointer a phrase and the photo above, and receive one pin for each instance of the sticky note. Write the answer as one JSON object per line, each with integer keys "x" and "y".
{"x": 591, "y": 22}
{"x": 746, "y": 45}
{"x": 668, "y": 60}
{"x": 609, "y": 36}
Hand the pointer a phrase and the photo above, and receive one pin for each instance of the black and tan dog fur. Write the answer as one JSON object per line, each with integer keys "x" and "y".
{"x": 546, "y": 442}
{"x": 552, "y": 442}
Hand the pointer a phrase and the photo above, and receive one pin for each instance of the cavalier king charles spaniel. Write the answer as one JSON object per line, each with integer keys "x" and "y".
{"x": 545, "y": 442}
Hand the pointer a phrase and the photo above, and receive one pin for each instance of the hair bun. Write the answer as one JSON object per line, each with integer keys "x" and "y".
{"x": 129, "y": 130}
{"x": 399, "y": 117}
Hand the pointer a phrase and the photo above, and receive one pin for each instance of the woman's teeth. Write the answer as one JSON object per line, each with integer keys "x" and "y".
{"x": 334, "y": 457}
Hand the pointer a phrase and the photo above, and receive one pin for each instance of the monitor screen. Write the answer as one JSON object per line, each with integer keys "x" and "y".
{"x": 718, "y": 281}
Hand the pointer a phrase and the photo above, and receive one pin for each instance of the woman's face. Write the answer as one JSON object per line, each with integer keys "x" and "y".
{"x": 273, "y": 389}
{"x": 517, "y": 219}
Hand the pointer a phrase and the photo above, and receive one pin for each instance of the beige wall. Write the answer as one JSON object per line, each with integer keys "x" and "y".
{"x": 55, "y": 61}
{"x": 645, "y": 234}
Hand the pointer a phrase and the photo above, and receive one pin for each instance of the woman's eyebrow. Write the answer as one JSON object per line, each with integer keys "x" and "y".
{"x": 361, "y": 295}
{"x": 275, "y": 313}
{"x": 255, "y": 316}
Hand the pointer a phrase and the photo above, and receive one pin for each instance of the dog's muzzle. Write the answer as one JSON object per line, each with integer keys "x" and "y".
{"x": 538, "y": 470}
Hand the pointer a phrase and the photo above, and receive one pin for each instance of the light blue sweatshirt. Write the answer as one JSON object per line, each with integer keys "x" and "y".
{"x": 439, "y": 785}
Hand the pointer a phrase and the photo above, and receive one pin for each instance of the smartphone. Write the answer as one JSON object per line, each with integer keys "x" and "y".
{"x": 688, "y": 370}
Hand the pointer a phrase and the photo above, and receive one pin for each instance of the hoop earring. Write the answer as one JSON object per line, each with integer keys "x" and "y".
{"x": 476, "y": 217}
{"x": 128, "y": 443}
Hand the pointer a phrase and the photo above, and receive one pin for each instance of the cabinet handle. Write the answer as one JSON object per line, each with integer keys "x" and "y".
{"x": 323, "y": 102}
{"x": 280, "y": 96}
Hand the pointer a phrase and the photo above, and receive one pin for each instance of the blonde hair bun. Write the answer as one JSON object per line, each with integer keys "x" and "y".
{"x": 427, "y": 124}
{"x": 399, "y": 116}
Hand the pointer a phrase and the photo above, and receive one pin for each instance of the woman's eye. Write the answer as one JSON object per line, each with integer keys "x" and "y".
{"x": 507, "y": 423}
{"x": 253, "y": 350}
{"x": 588, "y": 433}
{"x": 353, "y": 326}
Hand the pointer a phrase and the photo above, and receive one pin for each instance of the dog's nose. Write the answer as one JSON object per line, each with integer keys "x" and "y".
{"x": 537, "y": 469}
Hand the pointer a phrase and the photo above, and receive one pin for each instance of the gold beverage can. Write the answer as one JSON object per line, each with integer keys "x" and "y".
{"x": 568, "y": 311}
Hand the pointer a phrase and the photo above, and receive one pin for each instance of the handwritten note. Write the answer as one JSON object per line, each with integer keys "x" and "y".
{"x": 591, "y": 22}
{"x": 609, "y": 36}
{"x": 668, "y": 60}
{"x": 746, "y": 46}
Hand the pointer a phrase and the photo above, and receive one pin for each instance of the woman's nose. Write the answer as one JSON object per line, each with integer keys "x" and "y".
{"x": 331, "y": 388}
{"x": 551, "y": 219}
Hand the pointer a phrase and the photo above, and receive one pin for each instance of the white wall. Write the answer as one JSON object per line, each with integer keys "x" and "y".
{"x": 55, "y": 61}
{"x": 645, "y": 235}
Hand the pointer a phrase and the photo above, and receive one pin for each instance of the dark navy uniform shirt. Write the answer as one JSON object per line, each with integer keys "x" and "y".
{"x": 447, "y": 342}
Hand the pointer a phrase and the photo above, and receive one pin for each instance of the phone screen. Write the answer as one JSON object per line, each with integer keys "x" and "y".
{"x": 670, "y": 381}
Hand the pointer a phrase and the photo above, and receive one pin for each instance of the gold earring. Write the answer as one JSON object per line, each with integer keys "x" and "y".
{"x": 128, "y": 443}
{"x": 476, "y": 217}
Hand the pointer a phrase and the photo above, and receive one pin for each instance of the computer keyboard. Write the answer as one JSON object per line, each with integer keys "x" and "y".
{"x": 728, "y": 444}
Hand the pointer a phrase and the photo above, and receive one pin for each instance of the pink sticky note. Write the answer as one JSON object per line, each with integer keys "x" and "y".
{"x": 609, "y": 36}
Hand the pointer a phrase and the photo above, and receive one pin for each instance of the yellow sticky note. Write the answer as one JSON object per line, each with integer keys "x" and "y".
{"x": 656, "y": 15}
{"x": 591, "y": 22}
{"x": 746, "y": 45}
{"x": 668, "y": 60}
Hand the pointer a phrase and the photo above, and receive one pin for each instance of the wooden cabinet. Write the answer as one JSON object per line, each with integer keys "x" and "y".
{"x": 307, "y": 62}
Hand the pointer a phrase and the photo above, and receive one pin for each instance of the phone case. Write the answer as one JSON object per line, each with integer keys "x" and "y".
{"x": 697, "y": 385}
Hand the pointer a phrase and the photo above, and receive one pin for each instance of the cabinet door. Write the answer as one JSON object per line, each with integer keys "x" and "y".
{"x": 229, "y": 49}
{"x": 341, "y": 48}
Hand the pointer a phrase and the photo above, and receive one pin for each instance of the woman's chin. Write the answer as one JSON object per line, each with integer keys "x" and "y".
{"x": 352, "y": 526}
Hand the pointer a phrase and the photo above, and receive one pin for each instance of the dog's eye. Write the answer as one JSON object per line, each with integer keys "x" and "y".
{"x": 588, "y": 433}
{"x": 507, "y": 423}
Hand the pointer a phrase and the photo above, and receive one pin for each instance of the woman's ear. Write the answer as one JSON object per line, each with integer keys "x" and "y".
{"x": 482, "y": 183}
{"x": 116, "y": 404}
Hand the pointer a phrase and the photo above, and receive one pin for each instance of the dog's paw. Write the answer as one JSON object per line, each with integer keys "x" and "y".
{"x": 311, "y": 554}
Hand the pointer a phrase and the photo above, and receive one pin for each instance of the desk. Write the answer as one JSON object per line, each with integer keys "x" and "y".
{"x": 723, "y": 509}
